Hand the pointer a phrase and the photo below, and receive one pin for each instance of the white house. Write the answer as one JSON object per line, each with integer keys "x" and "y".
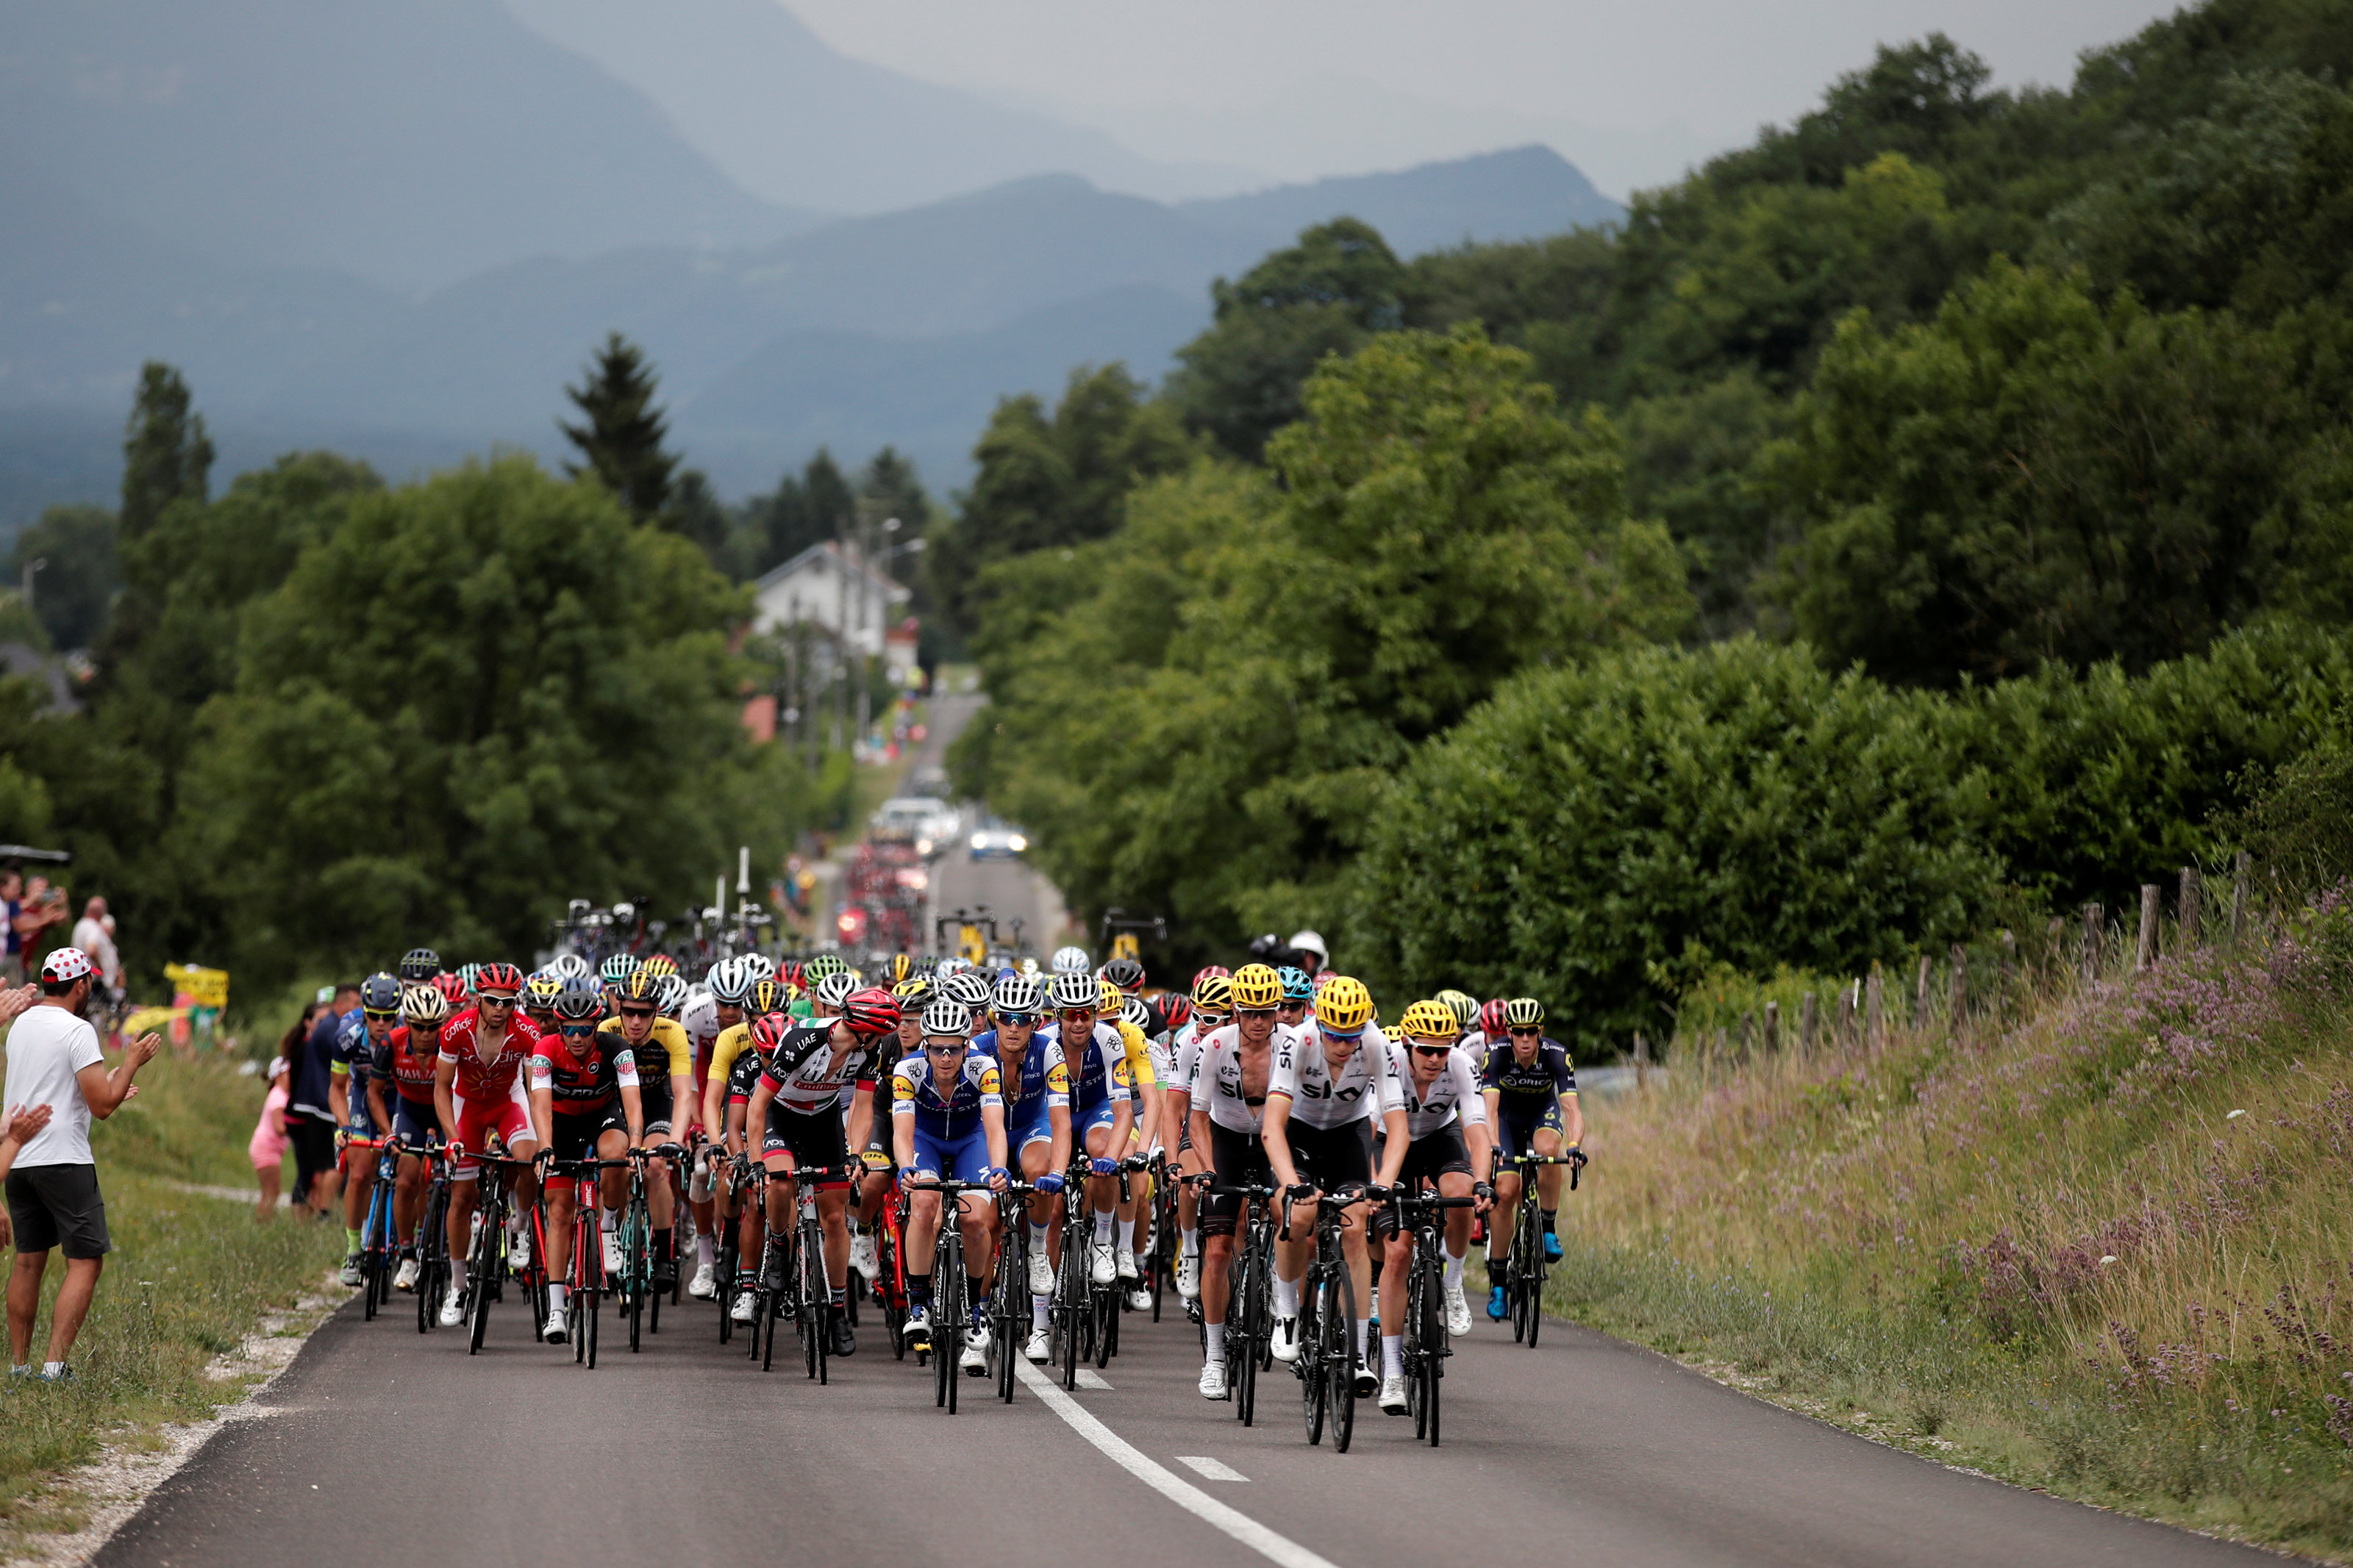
{"x": 830, "y": 587}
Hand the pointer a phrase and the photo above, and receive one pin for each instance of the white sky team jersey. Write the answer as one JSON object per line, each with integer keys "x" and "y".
{"x": 1455, "y": 1089}
{"x": 1217, "y": 1073}
{"x": 1368, "y": 1087}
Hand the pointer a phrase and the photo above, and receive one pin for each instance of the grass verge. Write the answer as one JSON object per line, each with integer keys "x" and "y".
{"x": 191, "y": 1275}
{"x": 2098, "y": 1246}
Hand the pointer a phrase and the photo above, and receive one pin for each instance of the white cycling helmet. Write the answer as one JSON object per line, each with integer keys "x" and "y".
{"x": 757, "y": 966}
{"x": 946, "y": 1017}
{"x": 568, "y": 966}
{"x": 1310, "y": 941}
{"x": 1073, "y": 961}
{"x": 673, "y": 994}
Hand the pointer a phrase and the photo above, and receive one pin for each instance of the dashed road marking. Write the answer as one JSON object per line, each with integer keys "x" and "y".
{"x": 1211, "y": 1470}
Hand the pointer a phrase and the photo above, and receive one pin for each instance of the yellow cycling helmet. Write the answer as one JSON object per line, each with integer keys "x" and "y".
{"x": 641, "y": 984}
{"x": 1114, "y": 998}
{"x": 1214, "y": 995}
{"x": 659, "y": 963}
{"x": 1429, "y": 1020}
{"x": 1257, "y": 986}
{"x": 1344, "y": 1005}
{"x": 1465, "y": 1008}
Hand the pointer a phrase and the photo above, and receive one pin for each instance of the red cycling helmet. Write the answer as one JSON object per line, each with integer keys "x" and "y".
{"x": 768, "y": 1031}
{"x": 1176, "y": 1011}
{"x": 504, "y": 977}
{"x": 870, "y": 1011}
{"x": 452, "y": 987}
{"x": 789, "y": 972}
{"x": 1490, "y": 1019}
{"x": 1215, "y": 971}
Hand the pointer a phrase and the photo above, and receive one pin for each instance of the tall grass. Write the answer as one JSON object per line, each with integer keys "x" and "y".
{"x": 190, "y": 1276}
{"x": 2095, "y": 1240}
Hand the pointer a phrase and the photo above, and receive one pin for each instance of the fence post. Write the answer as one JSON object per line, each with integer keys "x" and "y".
{"x": 1846, "y": 1035}
{"x": 1809, "y": 1020}
{"x": 1920, "y": 995}
{"x": 1957, "y": 991}
{"x": 1641, "y": 1064}
{"x": 2095, "y": 923}
{"x": 2193, "y": 889}
{"x": 2145, "y": 954}
{"x": 1874, "y": 1011}
{"x": 2239, "y": 899}
{"x": 1772, "y": 1027}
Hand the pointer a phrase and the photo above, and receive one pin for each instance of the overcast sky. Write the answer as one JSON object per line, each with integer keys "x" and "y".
{"x": 1298, "y": 87}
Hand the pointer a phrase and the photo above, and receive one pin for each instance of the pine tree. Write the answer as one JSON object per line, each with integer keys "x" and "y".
{"x": 165, "y": 453}
{"x": 622, "y": 439}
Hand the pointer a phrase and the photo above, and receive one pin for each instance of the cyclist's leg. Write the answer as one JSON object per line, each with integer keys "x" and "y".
{"x": 1511, "y": 1138}
{"x": 1548, "y": 1136}
{"x": 1034, "y": 1153}
{"x": 921, "y": 1229}
{"x": 1094, "y": 1129}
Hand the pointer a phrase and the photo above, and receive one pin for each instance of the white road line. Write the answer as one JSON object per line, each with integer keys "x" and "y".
{"x": 1211, "y": 1470}
{"x": 1093, "y": 1378}
{"x": 1166, "y": 1481}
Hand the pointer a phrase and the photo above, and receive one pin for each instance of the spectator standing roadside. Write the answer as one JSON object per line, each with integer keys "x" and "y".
{"x": 311, "y": 1111}
{"x": 267, "y": 1147}
{"x": 94, "y": 935}
{"x": 25, "y": 914}
{"x": 53, "y": 1196}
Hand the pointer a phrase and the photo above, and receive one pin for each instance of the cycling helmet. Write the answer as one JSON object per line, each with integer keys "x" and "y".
{"x": 1465, "y": 1007}
{"x": 1345, "y": 1007}
{"x": 894, "y": 970}
{"x": 968, "y": 988}
{"x": 1109, "y": 999}
{"x": 1136, "y": 1011}
{"x": 916, "y": 991}
{"x": 466, "y": 975}
{"x": 1521, "y": 1013}
{"x": 578, "y": 999}
{"x": 1298, "y": 985}
{"x": 640, "y": 984}
{"x": 1176, "y": 1012}
{"x": 823, "y": 964}
{"x": 758, "y": 966}
{"x": 1017, "y": 994}
{"x": 538, "y": 992}
{"x": 380, "y": 994}
{"x": 424, "y": 1004}
{"x": 1491, "y": 1017}
{"x": 1256, "y": 985}
{"x": 1070, "y": 960}
{"x": 871, "y": 1010}
{"x": 617, "y": 968}
{"x": 568, "y": 966}
{"x": 766, "y": 996}
{"x": 673, "y": 994}
{"x": 1214, "y": 995}
{"x": 834, "y": 989}
{"x": 730, "y": 985}
{"x": 947, "y": 1017}
{"x": 1430, "y": 1020}
{"x": 504, "y": 977}
{"x": 1073, "y": 989}
{"x": 1125, "y": 973}
{"x": 419, "y": 964}
{"x": 1309, "y": 942}
{"x": 1214, "y": 971}
{"x": 452, "y": 988}
{"x": 660, "y": 963}
{"x": 769, "y": 1032}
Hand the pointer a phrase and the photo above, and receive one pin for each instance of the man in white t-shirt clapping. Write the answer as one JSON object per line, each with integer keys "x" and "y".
{"x": 53, "y": 1199}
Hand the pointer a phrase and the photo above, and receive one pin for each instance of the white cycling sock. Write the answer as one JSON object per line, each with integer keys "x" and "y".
{"x": 703, "y": 1254}
{"x": 612, "y": 1221}
{"x": 1037, "y": 1238}
{"x": 1192, "y": 1242}
{"x": 1453, "y": 1275}
{"x": 1217, "y": 1334}
{"x": 1102, "y": 1225}
{"x": 1392, "y": 1355}
{"x": 1128, "y": 1236}
{"x": 1364, "y": 1330}
{"x": 557, "y": 1295}
{"x": 1037, "y": 1305}
{"x": 1286, "y": 1298}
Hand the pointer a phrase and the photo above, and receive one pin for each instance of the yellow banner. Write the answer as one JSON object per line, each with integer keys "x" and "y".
{"x": 148, "y": 1020}
{"x": 203, "y": 988}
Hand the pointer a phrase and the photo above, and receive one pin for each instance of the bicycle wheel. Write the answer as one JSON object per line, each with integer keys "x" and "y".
{"x": 1416, "y": 1351}
{"x": 1340, "y": 1358}
{"x": 575, "y": 1322}
{"x": 816, "y": 1299}
{"x": 1433, "y": 1340}
{"x": 889, "y": 1292}
{"x": 723, "y": 1264}
{"x": 1245, "y": 1386}
{"x": 1309, "y": 1367}
{"x": 592, "y": 1316}
{"x": 1070, "y": 1297}
{"x": 478, "y": 1283}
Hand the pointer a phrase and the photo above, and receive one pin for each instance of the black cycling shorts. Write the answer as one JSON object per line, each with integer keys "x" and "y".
{"x": 1331, "y": 1158}
{"x": 576, "y": 1132}
{"x": 1516, "y": 1131}
{"x": 814, "y": 1140}
{"x": 1240, "y": 1160}
{"x": 1430, "y": 1156}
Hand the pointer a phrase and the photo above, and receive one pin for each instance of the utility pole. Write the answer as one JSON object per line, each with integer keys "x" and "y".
{"x": 31, "y": 567}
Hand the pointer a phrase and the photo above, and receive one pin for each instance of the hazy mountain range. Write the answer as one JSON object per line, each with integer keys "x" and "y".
{"x": 399, "y": 229}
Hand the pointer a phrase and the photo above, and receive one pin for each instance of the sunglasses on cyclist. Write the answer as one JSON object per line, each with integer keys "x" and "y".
{"x": 575, "y": 1031}
{"x": 387, "y": 1016}
{"x": 1078, "y": 1012}
{"x": 636, "y": 1012}
{"x": 1254, "y": 1011}
{"x": 1520, "y": 1034}
{"x": 952, "y": 1048}
{"x": 1016, "y": 1020}
{"x": 1432, "y": 1050}
{"x": 492, "y": 999}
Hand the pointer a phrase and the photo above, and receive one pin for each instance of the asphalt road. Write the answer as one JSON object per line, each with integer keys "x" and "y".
{"x": 380, "y": 1444}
